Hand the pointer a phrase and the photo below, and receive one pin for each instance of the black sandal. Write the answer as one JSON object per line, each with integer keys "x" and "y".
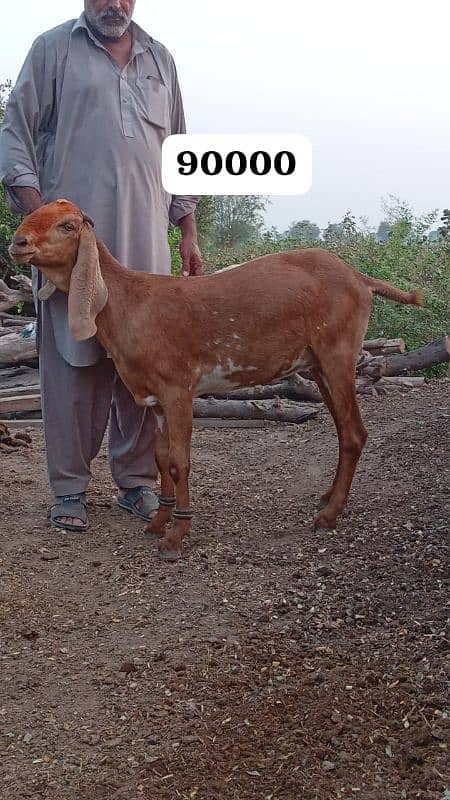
{"x": 70, "y": 505}
{"x": 141, "y": 501}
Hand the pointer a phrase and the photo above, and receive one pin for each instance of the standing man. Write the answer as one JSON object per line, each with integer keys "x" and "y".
{"x": 94, "y": 101}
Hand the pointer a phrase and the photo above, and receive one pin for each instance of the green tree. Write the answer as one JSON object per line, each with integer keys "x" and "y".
{"x": 205, "y": 216}
{"x": 304, "y": 230}
{"x": 384, "y": 230}
{"x": 444, "y": 230}
{"x": 349, "y": 226}
{"x": 238, "y": 219}
{"x": 333, "y": 231}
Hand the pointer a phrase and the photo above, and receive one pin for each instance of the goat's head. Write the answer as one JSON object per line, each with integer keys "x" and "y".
{"x": 58, "y": 239}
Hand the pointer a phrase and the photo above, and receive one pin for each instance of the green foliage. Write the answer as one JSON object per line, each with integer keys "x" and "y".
{"x": 304, "y": 230}
{"x": 408, "y": 260}
{"x": 8, "y": 220}
{"x": 332, "y": 232}
{"x": 5, "y": 89}
{"x": 444, "y": 230}
{"x": 174, "y": 237}
{"x": 8, "y": 224}
{"x": 205, "y": 218}
{"x": 384, "y": 230}
{"x": 237, "y": 219}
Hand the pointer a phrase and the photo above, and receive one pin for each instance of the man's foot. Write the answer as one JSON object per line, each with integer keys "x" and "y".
{"x": 141, "y": 501}
{"x": 69, "y": 512}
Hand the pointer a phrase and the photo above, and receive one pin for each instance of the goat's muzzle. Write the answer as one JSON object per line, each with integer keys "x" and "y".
{"x": 22, "y": 249}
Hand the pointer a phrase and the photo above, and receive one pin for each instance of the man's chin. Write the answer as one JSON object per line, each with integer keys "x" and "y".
{"x": 111, "y": 32}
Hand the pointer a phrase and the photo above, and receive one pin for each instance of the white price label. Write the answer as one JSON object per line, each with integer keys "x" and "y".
{"x": 221, "y": 164}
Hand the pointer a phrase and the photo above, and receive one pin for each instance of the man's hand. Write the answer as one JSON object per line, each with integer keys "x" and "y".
{"x": 191, "y": 256}
{"x": 27, "y": 198}
{"x": 189, "y": 249}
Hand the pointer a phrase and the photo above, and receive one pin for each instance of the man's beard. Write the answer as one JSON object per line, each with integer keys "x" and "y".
{"x": 111, "y": 23}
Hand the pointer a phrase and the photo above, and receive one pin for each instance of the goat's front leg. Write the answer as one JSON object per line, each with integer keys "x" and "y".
{"x": 178, "y": 415}
{"x": 167, "y": 499}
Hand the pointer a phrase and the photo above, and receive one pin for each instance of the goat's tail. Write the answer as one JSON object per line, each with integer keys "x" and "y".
{"x": 414, "y": 297}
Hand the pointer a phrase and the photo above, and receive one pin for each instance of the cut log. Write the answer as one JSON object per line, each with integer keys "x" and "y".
{"x": 246, "y": 409}
{"x": 14, "y": 349}
{"x": 19, "y": 376}
{"x": 294, "y": 388}
{"x": 403, "y": 381}
{"x": 366, "y": 385}
{"x": 11, "y": 297}
{"x": 430, "y": 355}
{"x": 15, "y": 403}
{"x": 296, "y": 413}
{"x": 15, "y": 319}
{"x": 19, "y": 391}
{"x": 12, "y": 329}
{"x": 25, "y": 285}
{"x": 384, "y": 347}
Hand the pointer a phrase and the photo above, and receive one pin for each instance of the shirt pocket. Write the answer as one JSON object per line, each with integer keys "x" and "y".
{"x": 153, "y": 101}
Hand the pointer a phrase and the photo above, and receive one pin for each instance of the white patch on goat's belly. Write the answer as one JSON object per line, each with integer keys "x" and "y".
{"x": 220, "y": 379}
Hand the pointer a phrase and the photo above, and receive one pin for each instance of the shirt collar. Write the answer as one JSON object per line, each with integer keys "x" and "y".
{"x": 141, "y": 39}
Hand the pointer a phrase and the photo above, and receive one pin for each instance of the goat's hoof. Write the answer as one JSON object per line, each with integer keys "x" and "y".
{"x": 169, "y": 555}
{"x": 322, "y": 522}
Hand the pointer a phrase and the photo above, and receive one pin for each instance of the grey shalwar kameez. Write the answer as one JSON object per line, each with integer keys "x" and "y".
{"x": 79, "y": 127}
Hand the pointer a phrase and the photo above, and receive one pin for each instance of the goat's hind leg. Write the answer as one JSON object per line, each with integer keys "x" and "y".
{"x": 317, "y": 375}
{"x": 337, "y": 375}
{"x": 167, "y": 496}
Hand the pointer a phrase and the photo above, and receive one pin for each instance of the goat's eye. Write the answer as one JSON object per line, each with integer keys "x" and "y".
{"x": 69, "y": 226}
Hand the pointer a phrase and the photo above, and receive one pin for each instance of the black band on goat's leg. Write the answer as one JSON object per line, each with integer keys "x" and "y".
{"x": 167, "y": 501}
{"x": 182, "y": 513}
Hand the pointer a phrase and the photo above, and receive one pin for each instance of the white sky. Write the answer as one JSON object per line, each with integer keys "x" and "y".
{"x": 366, "y": 81}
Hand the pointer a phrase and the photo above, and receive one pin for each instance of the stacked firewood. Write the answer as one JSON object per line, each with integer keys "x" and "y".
{"x": 384, "y": 366}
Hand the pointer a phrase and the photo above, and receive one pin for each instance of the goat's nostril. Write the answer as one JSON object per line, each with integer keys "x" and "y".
{"x": 20, "y": 241}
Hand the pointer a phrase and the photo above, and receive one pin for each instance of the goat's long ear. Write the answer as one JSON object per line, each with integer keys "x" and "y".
{"x": 88, "y": 294}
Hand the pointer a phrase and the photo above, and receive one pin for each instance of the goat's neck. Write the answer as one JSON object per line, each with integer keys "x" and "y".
{"x": 117, "y": 316}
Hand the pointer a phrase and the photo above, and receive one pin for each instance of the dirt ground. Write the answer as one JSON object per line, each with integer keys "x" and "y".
{"x": 272, "y": 662}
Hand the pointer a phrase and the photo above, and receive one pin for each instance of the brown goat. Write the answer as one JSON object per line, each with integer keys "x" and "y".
{"x": 176, "y": 338}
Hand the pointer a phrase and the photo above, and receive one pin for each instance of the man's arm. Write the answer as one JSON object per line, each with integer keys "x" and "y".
{"x": 189, "y": 248}
{"x": 182, "y": 207}
{"x": 26, "y": 198}
{"x": 28, "y": 111}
